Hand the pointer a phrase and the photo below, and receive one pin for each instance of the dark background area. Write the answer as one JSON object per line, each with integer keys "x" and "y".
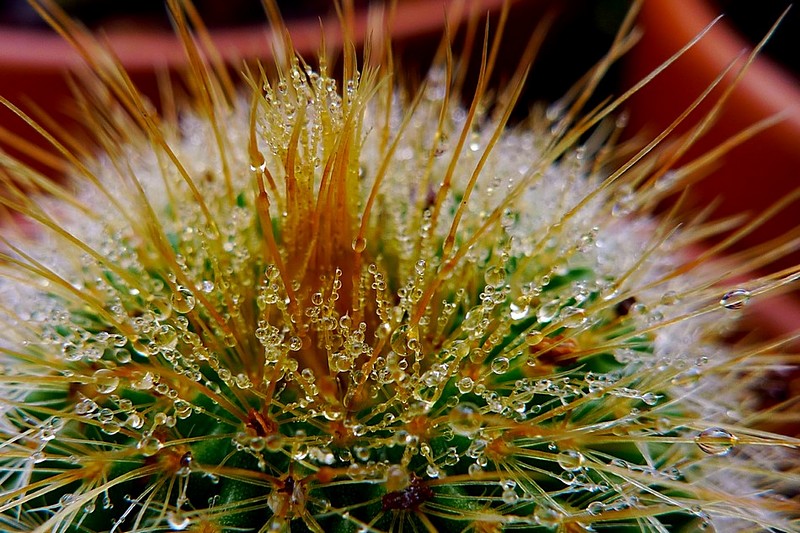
{"x": 582, "y": 30}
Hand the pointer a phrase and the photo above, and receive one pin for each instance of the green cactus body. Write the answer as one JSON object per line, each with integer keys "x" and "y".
{"x": 357, "y": 310}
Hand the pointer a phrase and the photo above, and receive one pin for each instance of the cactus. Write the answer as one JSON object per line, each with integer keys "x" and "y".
{"x": 336, "y": 306}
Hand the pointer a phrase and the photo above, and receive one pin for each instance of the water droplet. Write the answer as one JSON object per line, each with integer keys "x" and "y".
{"x": 396, "y": 478}
{"x": 403, "y": 339}
{"x": 295, "y": 343}
{"x": 465, "y": 384}
{"x": 258, "y": 164}
{"x": 510, "y": 496}
{"x": 149, "y": 446}
{"x": 183, "y": 301}
{"x": 670, "y": 298}
{"x": 105, "y": 415}
{"x": 472, "y": 319}
{"x": 105, "y": 381}
{"x": 183, "y": 409}
{"x": 624, "y": 205}
{"x": 500, "y": 365}
{"x": 595, "y": 508}
{"x": 256, "y": 444}
{"x": 177, "y": 521}
{"x": 432, "y": 471}
{"x": 548, "y": 311}
{"x": 359, "y": 244}
{"x": 185, "y": 464}
{"x": 161, "y": 308}
{"x": 165, "y": 337}
{"x": 533, "y": 337}
{"x": 119, "y": 340}
{"x": 547, "y": 516}
{"x": 495, "y": 276}
{"x": 650, "y": 398}
{"x": 362, "y": 453}
{"x": 274, "y": 442}
{"x": 85, "y": 407}
{"x": 122, "y": 356}
{"x": 735, "y": 299}
{"x": 573, "y": 317}
{"x": 111, "y": 428}
{"x": 38, "y": 457}
{"x": 571, "y": 460}
{"x": 518, "y": 312}
{"x": 465, "y": 419}
{"x": 242, "y": 381}
{"x": 135, "y": 421}
{"x": 716, "y": 441}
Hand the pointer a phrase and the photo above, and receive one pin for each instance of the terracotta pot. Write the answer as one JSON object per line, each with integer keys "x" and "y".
{"x": 34, "y": 63}
{"x": 755, "y": 174}
{"x": 763, "y": 169}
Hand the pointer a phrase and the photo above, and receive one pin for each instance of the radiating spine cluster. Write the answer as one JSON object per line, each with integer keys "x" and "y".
{"x": 335, "y": 306}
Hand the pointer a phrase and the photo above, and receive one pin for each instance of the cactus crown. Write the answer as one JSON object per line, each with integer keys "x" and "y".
{"x": 331, "y": 305}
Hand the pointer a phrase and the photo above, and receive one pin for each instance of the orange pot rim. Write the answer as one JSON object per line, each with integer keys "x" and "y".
{"x": 766, "y": 89}
{"x": 143, "y": 50}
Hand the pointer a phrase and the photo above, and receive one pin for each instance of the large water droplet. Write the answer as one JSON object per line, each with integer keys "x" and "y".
{"x": 716, "y": 441}
{"x": 105, "y": 381}
{"x": 295, "y": 343}
{"x": 547, "y": 516}
{"x": 258, "y": 164}
{"x": 135, "y": 421}
{"x": 571, "y": 460}
{"x": 495, "y": 276}
{"x": 465, "y": 384}
{"x": 670, "y": 298}
{"x": 735, "y": 299}
{"x": 548, "y": 311}
{"x": 274, "y": 442}
{"x": 396, "y": 478}
{"x": 573, "y": 317}
{"x": 465, "y": 419}
{"x": 533, "y": 337}
{"x": 359, "y": 244}
{"x": 149, "y": 446}
{"x": 111, "y": 427}
{"x": 122, "y": 355}
{"x": 595, "y": 508}
{"x": 500, "y": 365}
{"x": 66, "y": 499}
{"x": 405, "y": 339}
{"x": 183, "y": 301}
